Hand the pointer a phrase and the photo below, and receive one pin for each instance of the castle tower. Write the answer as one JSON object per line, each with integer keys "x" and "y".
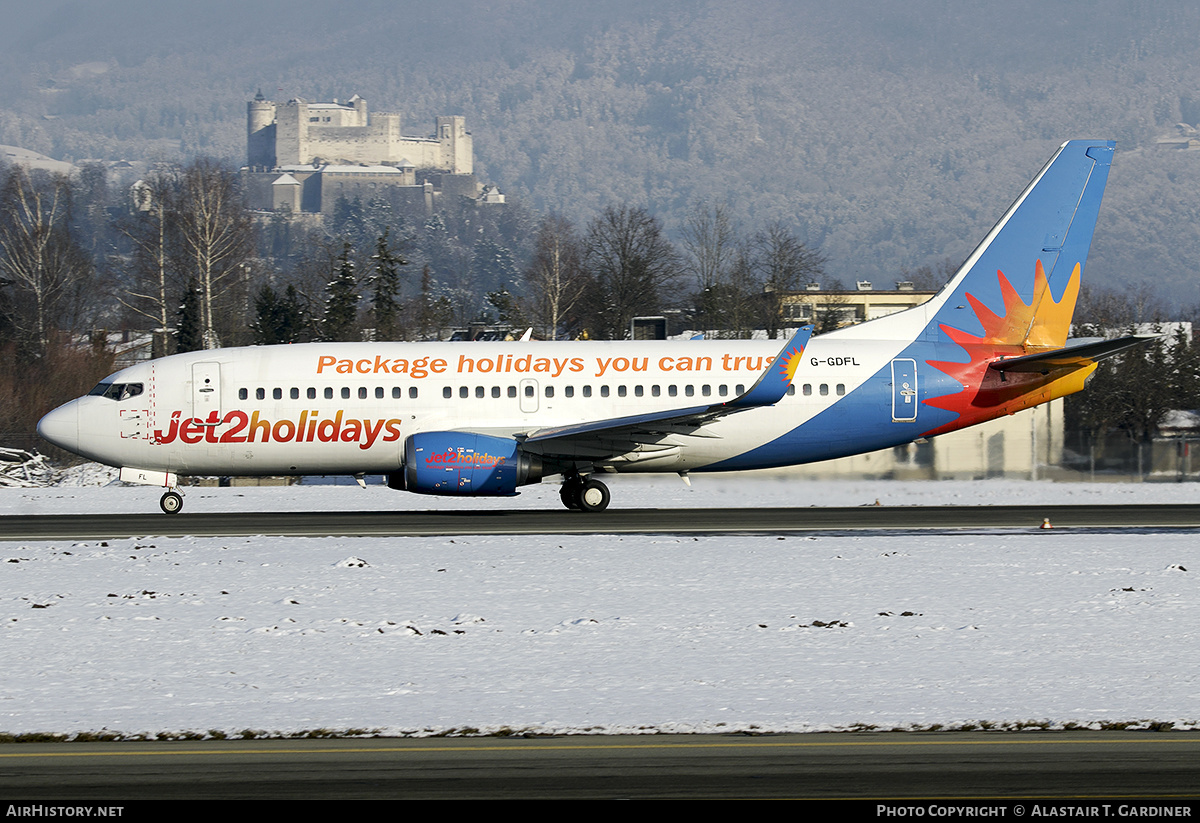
{"x": 260, "y": 132}
{"x": 457, "y": 154}
{"x": 291, "y": 132}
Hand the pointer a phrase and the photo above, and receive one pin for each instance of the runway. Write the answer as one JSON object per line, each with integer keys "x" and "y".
{"x": 614, "y": 521}
{"x": 1141, "y": 768}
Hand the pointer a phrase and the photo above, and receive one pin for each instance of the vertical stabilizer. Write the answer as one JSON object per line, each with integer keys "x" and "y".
{"x": 1020, "y": 284}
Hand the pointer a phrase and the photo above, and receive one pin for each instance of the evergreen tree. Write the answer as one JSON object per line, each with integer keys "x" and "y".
{"x": 385, "y": 289}
{"x": 349, "y": 221}
{"x": 433, "y": 310}
{"x": 494, "y": 265}
{"x": 341, "y": 306}
{"x": 190, "y": 334}
{"x": 278, "y": 319}
{"x": 508, "y": 310}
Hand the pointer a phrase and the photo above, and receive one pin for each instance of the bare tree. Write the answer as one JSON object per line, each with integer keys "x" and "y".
{"x": 215, "y": 235}
{"x": 631, "y": 263}
{"x": 710, "y": 251}
{"x": 39, "y": 259}
{"x": 784, "y": 264}
{"x": 148, "y": 228}
{"x": 555, "y": 278}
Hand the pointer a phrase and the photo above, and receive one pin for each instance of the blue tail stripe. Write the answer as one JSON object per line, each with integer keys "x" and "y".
{"x": 1051, "y": 221}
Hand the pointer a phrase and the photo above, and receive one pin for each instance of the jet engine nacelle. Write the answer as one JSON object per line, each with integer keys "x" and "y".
{"x": 461, "y": 463}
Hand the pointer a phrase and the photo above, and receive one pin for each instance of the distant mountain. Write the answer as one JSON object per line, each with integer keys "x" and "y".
{"x": 890, "y": 135}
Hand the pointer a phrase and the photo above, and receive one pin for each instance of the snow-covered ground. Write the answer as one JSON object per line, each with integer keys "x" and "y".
{"x": 600, "y": 633}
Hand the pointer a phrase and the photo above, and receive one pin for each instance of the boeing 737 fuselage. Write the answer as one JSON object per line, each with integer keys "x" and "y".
{"x": 485, "y": 418}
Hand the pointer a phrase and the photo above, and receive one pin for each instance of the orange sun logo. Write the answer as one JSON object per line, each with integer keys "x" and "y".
{"x": 790, "y": 364}
{"x": 1041, "y": 325}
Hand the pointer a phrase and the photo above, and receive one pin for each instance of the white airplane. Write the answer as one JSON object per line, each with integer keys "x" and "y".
{"x": 486, "y": 418}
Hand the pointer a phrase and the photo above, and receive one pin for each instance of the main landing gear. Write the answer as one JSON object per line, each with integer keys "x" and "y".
{"x": 584, "y": 494}
{"x": 171, "y": 502}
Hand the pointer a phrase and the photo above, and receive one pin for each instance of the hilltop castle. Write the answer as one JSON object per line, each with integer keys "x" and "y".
{"x": 303, "y": 157}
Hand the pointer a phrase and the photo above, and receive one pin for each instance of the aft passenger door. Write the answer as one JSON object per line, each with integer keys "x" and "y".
{"x": 904, "y": 390}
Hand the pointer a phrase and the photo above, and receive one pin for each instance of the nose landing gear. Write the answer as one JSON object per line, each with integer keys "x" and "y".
{"x": 171, "y": 502}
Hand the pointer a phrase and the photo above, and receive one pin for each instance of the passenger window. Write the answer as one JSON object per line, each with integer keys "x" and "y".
{"x": 656, "y": 391}
{"x": 638, "y": 391}
{"x": 328, "y": 392}
{"x": 345, "y": 392}
{"x": 362, "y": 392}
{"x": 706, "y": 390}
{"x": 464, "y": 392}
{"x": 479, "y": 391}
{"x": 412, "y": 392}
{"x": 569, "y": 391}
{"x": 495, "y": 391}
{"x": 723, "y": 391}
{"x": 512, "y": 391}
{"x": 824, "y": 389}
{"x": 620, "y": 391}
{"x": 243, "y": 394}
{"x": 791, "y": 390}
{"x": 808, "y": 389}
{"x": 689, "y": 390}
{"x": 604, "y": 391}
{"x": 294, "y": 394}
{"x": 447, "y": 393}
{"x": 379, "y": 392}
{"x": 529, "y": 391}
{"x": 276, "y": 394}
{"x": 260, "y": 394}
{"x": 673, "y": 391}
{"x": 396, "y": 393}
{"x": 587, "y": 391}
{"x": 312, "y": 393}
{"x": 841, "y": 389}
{"x": 549, "y": 391}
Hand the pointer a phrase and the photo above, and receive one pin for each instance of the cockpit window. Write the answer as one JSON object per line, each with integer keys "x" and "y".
{"x": 116, "y": 391}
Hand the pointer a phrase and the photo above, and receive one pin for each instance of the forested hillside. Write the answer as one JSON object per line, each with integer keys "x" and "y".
{"x": 889, "y": 136}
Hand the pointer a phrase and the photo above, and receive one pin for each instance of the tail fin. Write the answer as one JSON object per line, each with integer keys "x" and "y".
{"x": 1019, "y": 286}
{"x": 1012, "y": 300}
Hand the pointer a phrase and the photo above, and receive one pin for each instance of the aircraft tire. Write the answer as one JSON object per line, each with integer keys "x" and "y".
{"x": 171, "y": 502}
{"x": 594, "y": 496}
{"x": 570, "y": 492}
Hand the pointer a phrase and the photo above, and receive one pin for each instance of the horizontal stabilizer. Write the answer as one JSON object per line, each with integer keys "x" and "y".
{"x": 1085, "y": 351}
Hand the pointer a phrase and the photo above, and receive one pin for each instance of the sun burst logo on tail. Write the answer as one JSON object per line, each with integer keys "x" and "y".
{"x": 1040, "y": 325}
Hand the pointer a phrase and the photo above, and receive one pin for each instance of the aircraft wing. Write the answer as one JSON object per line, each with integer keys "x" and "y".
{"x": 615, "y": 435}
{"x": 1081, "y": 353}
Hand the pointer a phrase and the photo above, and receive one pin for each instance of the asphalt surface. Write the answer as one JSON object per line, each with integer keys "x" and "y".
{"x": 1139, "y": 769}
{"x": 613, "y": 521}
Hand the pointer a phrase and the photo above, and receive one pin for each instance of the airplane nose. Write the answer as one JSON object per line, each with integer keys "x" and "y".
{"x": 61, "y": 427}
